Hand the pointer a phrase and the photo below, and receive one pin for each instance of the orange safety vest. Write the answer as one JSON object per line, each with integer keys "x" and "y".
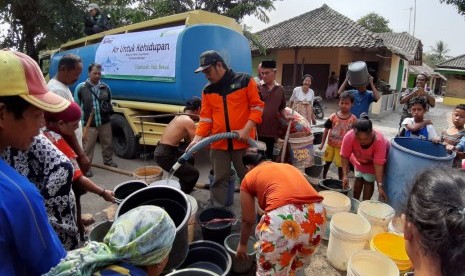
{"x": 227, "y": 106}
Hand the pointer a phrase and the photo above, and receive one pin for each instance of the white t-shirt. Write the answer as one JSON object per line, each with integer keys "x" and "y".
{"x": 299, "y": 96}
{"x": 61, "y": 89}
{"x": 431, "y": 132}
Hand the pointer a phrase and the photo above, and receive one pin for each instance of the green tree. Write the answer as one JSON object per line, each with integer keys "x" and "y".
{"x": 36, "y": 25}
{"x": 44, "y": 24}
{"x": 437, "y": 54}
{"x": 375, "y": 23}
{"x": 440, "y": 50}
{"x": 460, "y": 5}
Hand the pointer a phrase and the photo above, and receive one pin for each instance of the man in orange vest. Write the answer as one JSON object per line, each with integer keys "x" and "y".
{"x": 230, "y": 102}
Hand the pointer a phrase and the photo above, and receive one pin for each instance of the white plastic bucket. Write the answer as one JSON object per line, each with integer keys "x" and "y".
{"x": 191, "y": 221}
{"x": 396, "y": 226}
{"x": 166, "y": 182}
{"x": 349, "y": 233}
{"x": 301, "y": 149}
{"x": 378, "y": 214}
{"x": 334, "y": 202}
{"x": 368, "y": 262}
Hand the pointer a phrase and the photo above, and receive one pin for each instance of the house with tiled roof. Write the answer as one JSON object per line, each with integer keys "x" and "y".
{"x": 409, "y": 48}
{"x": 323, "y": 40}
{"x": 405, "y": 45}
{"x": 454, "y": 70}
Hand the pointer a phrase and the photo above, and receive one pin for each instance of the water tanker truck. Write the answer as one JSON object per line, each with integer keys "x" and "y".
{"x": 149, "y": 67}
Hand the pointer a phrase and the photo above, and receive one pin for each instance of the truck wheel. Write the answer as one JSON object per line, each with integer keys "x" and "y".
{"x": 124, "y": 142}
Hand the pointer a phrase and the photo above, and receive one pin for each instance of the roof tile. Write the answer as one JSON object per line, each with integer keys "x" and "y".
{"x": 453, "y": 63}
{"x": 401, "y": 43}
{"x": 322, "y": 27}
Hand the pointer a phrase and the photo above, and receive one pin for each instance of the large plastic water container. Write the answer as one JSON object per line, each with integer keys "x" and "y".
{"x": 191, "y": 42}
{"x": 407, "y": 158}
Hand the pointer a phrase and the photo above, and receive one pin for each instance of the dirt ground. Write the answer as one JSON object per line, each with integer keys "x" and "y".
{"x": 388, "y": 124}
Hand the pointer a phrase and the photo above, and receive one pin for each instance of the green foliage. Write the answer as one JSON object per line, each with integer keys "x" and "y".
{"x": 40, "y": 24}
{"x": 460, "y": 5}
{"x": 375, "y": 23}
{"x": 253, "y": 38}
{"x": 36, "y": 25}
{"x": 438, "y": 54}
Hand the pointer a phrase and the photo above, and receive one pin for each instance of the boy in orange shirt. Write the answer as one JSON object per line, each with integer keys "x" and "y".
{"x": 337, "y": 125}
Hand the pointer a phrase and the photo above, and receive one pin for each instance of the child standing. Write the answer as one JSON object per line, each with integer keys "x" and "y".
{"x": 454, "y": 136}
{"x": 417, "y": 126}
{"x": 337, "y": 125}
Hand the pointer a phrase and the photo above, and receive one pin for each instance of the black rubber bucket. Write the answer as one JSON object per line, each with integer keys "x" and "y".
{"x": 123, "y": 190}
{"x": 317, "y": 137}
{"x": 100, "y": 230}
{"x": 176, "y": 204}
{"x": 209, "y": 256}
{"x": 333, "y": 185}
{"x": 216, "y": 231}
{"x": 317, "y": 168}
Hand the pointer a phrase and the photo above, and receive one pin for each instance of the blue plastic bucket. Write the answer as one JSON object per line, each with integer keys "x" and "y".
{"x": 407, "y": 158}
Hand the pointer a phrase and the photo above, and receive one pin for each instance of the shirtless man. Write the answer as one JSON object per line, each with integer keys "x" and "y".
{"x": 182, "y": 127}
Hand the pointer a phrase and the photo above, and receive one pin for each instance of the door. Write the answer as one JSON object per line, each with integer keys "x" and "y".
{"x": 319, "y": 72}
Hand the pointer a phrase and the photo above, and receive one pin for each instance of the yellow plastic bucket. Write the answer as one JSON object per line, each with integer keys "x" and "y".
{"x": 148, "y": 174}
{"x": 393, "y": 246}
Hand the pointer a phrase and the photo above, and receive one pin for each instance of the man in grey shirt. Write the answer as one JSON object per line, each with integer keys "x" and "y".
{"x": 69, "y": 70}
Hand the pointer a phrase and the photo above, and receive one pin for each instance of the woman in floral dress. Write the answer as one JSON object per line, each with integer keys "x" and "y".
{"x": 294, "y": 220}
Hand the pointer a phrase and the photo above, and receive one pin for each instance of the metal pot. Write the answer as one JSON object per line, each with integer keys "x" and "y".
{"x": 176, "y": 204}
{"x": 357, "y": 74}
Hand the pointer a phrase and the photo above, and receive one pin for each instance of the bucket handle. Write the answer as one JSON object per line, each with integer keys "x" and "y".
{"x": 232, "y": 220}
{"x": 390, "y": 214}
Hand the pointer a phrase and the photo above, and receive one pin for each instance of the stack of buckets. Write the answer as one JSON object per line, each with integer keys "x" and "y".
{"x": 350, "y": 235}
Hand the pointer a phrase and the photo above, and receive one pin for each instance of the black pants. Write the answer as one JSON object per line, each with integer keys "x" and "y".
{"x": 166, "y": 156}
{"x": 269, "y": 141}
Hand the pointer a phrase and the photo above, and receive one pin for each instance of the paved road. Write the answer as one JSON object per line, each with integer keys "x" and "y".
{"x": 388, "y": 125}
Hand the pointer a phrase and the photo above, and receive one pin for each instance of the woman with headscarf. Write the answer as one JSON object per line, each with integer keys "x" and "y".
{"x": 138, "y": 243}
{"x": 302, "y": 99}
{"x": 294, "y": 220}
